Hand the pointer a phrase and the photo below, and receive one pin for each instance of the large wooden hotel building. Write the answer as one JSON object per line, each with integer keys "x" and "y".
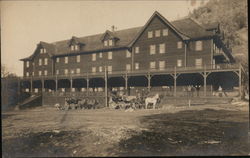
{"x": 160, "y": 54}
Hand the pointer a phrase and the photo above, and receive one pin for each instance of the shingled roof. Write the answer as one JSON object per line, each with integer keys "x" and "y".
{"x": 187, "y": 27}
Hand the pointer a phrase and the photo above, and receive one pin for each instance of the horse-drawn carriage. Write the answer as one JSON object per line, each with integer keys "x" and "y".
{"x": 135, "y": 102}
{"x": 76, "y": 103}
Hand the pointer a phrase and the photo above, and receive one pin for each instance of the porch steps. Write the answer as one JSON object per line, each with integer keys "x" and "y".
{"x": 32, "y": 101}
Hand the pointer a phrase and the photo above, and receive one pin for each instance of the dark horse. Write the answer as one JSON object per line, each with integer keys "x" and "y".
{"x": 74, "y": 101}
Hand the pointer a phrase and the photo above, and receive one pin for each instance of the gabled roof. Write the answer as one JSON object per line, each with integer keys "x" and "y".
{"x": 111, "y": 34}
{"x": 50, "y": 49}
{"x": 181, "y": 35}
{"x": 76, "y": 40}
{"x": 186, "y": 29}
{"x": 191, "y": 28}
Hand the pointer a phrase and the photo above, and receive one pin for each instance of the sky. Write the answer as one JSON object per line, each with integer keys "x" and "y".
{"x": 25, "y": 23}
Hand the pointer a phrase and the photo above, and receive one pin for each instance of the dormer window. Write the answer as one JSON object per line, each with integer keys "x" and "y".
{"x": 27, "y": 64}
{"x": 74, "y": 47}
{"x": 42, "y": 50}
{"x": 110, "y": 42}
{"x": 105, "y": 43}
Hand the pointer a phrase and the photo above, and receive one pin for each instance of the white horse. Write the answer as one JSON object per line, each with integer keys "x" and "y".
{"x": 153, "y": 100}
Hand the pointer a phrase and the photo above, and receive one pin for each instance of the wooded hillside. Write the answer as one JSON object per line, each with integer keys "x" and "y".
{"x": 232, "y": 16}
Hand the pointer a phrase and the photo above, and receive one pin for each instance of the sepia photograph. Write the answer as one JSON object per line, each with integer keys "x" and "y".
{"x": 124, "y": 78}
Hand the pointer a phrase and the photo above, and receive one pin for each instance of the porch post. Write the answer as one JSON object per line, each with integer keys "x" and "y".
{"x": 87, "y": 86}
{"x": 31, "y": 85}
{"x": 205, "y": 81}
{"x": 240, "y": 88}
{"x": 71, "y": 84}
{"x": 175, "y": 81}
{"x": 43, "y": 85}
{"x": 149, "y": 81}
{"x": 126, "y": 82}
{"x": 106, "y": 87}
{"x": 18, "y": 90}
{"x": 56, "y": 84}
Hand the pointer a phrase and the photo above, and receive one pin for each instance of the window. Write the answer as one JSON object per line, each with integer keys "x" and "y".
{"x": 40, "y": 73}
{"x": 165, "y": 32}
{"x": 100, "y": 68}
{"x": 66, "y": 71}
{"x": 109, "y": 68}
{"x": 179, "y": 44}
{"x": 27, "y": 74}
{"x": 109, "y": 55}
{"x": 152, "y": 49}
{"x": 179, "y": 63}
{"x": 128, "y": 54}
{"x": 137, "y": 50}
{"x": 45, "y": 61}
{"x": 42, "y": 50}
{"x": 78, "y": 70}
{"x": 150, "y": 34}
{"x": 198, "y": 45}
{"x": 66, "y": 60}
{"x": 93, "y": 69}
{"x": 76, "y": 47}
{"x": 45, "y": 72}
{"x": 198, "y": 62}
{"x": 57, "y": 60}
{"x": 128, "y": 67}
{"x": 100, "y": 55}
{"x": 40, "y": 62}
{"x": 33, "y": 73}
{"x": 110, "y": 42}
{"x": 27, "y": 64}
{"x": 57, "y": 72}
{"x": 137, "y": 66}
{"x": 152, "y": 65}
{"x": 161, "y": 65}
{"x": 105, "y": 43}
{"x": 78, "y": 58}
{"x": 94, "y": 57}
{"x": 72, "y": 71}
{"x": 162, "y": 48}
{"x": 157, "y": 33}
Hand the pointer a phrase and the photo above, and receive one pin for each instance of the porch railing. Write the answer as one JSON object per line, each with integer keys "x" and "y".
{"x": 201, "y": 68}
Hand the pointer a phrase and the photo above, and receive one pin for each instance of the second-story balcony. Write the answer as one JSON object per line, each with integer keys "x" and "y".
{"x": 159, "y": 71}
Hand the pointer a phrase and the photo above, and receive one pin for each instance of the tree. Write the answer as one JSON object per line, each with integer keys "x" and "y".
{"x": 5, "y": 73}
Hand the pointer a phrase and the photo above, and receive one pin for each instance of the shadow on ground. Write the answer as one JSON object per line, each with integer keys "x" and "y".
{"x": 40, "y": 144}
{"x": 190, "y": 132}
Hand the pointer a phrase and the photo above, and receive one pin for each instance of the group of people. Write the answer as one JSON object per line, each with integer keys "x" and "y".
{"x": 190, "y": 90}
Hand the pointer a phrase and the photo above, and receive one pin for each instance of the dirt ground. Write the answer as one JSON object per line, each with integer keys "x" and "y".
{"x": 196, "y": 130}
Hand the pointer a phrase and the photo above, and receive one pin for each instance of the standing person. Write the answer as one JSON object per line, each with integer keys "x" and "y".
{"x": 184, "y": 90}
{"x": 220, "y": 91}
{"x": 189, "y": 90}
{"x": 192, "y": 91}
{"x": 198, "y": 89}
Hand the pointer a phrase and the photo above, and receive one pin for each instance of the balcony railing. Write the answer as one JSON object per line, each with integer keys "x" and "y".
{"x": 202, "y": 68}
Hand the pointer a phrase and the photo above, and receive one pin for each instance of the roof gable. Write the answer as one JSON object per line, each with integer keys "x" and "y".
{"x": 165, "y": 21}
{"x": 110, "y": 35}
{"x": 50, "y": 49}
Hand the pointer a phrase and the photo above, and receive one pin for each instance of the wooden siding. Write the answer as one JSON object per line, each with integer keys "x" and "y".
{"x": 172, "y": 53}
{"x": 118, "y": 62}
{"x": 205, "y": 53}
